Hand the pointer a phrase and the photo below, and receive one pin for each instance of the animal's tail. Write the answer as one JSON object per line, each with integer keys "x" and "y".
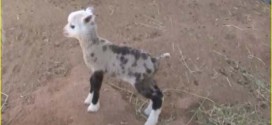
{"x": 164, "y": 55}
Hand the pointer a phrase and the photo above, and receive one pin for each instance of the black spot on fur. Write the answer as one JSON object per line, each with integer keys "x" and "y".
{"x": 123, "y": 60}
{"x": 147, "y": 69}
{"x": 136, "y": 54}
{"x": 130, "y": 73}
{"x": 138, "y": 76}
{"x": 95, "y": 40}
{"x": 102, "y": 40}
{"x": 144, "y": 56}
{"x": 117, "y": 57}
{"x": 123, "y": 68}
{"x": 120, "y": 50}
{"x": 153, "y": 60}
{"x": 135, "y": 63}
{"x": 155, "y": 86}
{"x": 95, "y": 59}
{"x": 127, "y": 50}
{"x": 92, "y": 54}
{"x": 104, "y": 48}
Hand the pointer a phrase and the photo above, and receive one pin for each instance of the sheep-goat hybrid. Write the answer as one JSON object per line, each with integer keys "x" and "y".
{"x": 103, "y": 57}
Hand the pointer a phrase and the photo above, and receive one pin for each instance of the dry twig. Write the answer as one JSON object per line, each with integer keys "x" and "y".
{"x": 228, "y": 81}
{"x": 234, "y": 27}
{"x": 251, "y": 56}
{"x": 6, "y": 99}
{"x": 195, "y": 112}
{"x": 122, "y": 89}
{"x": 184, "y": 62}
{"x": 193, "y": 94}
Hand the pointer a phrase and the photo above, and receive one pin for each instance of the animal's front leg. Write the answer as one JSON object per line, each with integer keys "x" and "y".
{"x": 89, "y": 98}
{"x": 93, "y": 97}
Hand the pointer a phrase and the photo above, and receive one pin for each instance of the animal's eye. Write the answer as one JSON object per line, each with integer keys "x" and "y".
{"x": 72, "y": 26}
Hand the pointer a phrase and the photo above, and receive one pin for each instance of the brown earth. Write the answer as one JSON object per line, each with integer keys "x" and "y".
{"x": 213, "y": 43}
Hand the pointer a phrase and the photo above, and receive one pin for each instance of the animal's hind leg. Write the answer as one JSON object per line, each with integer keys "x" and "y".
{"x": 150, "y": 90}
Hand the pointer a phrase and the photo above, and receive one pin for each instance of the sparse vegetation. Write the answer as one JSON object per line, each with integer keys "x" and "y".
{"x": 218, "y": 73}
{"x": 240, "y": 114}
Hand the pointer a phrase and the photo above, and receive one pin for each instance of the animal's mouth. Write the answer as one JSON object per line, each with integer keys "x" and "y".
{"x": 65, "y": 33}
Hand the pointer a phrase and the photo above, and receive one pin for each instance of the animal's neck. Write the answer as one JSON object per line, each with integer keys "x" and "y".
{"x": 93, "y": 35}
{"x": 87, "y": 41}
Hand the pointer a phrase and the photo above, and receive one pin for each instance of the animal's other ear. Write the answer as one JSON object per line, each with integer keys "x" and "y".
{"x": 87, "y": 19}
{"x": 90, "y": 10}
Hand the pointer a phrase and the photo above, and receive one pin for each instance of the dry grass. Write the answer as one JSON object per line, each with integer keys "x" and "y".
{"x": 5, "y": 97}
{"x": 240, "y": 114}
{"x": 209, "y": 112}
{"x": 259, "y": 87}
{"x": 139, "y": 103}
{"x": 262, "y": 89}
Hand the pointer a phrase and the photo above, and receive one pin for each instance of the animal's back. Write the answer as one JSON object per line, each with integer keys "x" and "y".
{"x": 128, "y": 63}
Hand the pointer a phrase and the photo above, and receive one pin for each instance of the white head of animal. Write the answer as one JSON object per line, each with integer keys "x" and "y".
{"x": 80, "y": 23}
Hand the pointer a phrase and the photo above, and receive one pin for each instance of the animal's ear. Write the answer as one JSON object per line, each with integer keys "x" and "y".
{"x": 90, "y": 9}
{"x": 87, "y": 19}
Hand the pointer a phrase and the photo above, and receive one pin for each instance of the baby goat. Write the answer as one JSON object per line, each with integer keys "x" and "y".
{"x": 103, "y": 57}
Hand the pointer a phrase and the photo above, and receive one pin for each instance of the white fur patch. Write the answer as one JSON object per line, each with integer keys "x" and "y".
{"x": 93, "y": 108}
{"x": 89, "y": 99}
{"x": 79, "y": 12}
{"x": 153, "y": 117}
{"x": 128, "y": 79}
{"x": 165, "y": 55}
{"x": 148, "y": 109}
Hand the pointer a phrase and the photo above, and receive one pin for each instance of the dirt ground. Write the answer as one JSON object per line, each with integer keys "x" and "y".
{"x": 220, "y": 53}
